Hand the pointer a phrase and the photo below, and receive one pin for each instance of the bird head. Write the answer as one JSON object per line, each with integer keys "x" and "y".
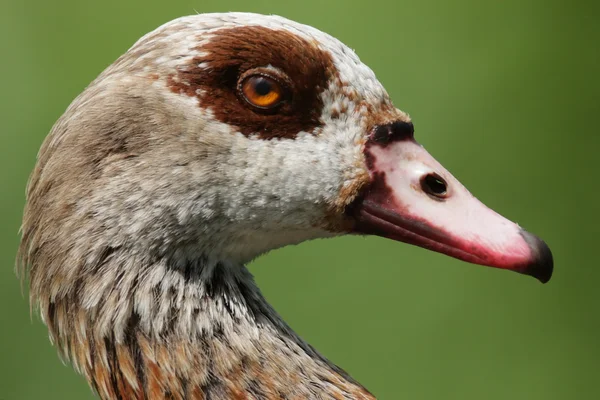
{"x": 227, "y": 135}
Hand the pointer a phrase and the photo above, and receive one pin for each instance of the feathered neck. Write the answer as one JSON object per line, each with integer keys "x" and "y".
{"x": 187, "y": 330}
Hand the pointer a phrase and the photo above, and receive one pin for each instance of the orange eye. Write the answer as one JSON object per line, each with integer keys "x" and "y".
{"x": 262, "y": 91}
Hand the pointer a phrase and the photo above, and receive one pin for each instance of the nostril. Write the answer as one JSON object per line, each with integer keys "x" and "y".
{"x": 435, "y": 186}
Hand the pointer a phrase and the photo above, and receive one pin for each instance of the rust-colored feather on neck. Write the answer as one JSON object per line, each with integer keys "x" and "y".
{"x": 196, "y": 331}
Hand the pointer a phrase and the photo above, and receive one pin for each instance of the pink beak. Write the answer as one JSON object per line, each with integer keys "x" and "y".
{"x": 413, "y": 199}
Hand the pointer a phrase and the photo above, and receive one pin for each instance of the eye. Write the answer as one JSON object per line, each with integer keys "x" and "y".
{"x": 434, "y": 185}
{"x": 262, "y": 91}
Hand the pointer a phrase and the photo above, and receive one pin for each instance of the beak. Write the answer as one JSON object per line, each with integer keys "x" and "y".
{"x": 413, "y": 199}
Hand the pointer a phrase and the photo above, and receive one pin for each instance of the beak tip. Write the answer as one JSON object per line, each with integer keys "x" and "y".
{"x": 542, "y": 265}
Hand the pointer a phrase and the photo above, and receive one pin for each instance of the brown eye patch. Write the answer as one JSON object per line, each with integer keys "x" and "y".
{"x": 231, "y": 53}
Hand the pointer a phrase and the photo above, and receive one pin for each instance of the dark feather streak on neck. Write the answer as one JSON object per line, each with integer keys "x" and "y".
{"x": 242, "y": 349}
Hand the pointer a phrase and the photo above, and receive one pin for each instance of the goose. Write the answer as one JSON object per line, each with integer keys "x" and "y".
{"x": 214, "y": 139}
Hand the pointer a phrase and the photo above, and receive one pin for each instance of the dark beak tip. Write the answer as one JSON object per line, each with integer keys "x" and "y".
{"x": 542, "y": 265}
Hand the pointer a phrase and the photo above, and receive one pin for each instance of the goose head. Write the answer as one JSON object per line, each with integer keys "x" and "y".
{"x": 215, "y": 139}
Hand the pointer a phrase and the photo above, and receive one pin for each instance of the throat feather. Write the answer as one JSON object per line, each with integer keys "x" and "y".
{"x": 190, "y": 331}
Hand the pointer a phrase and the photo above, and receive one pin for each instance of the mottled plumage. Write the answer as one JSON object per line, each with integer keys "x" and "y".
{"x": 159, "y": 183}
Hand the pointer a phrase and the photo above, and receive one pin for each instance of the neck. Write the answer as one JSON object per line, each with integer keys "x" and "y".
{"x": 192, "y": 330}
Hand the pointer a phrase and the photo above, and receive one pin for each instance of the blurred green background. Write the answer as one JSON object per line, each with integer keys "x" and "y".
{"x": 505, "y": 94}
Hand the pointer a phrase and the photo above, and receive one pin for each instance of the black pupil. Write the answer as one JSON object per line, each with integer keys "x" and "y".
{"x": 434, "y": 185}
{"x": 262, "y": 86}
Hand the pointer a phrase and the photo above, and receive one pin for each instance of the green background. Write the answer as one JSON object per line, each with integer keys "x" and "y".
{"x": 506, "y": 94}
